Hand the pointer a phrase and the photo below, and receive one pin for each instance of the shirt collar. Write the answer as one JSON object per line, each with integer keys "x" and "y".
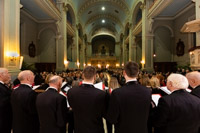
{"x": 27, "y": 84}
{"x": 87, "y": 83}
{"x": 51, "y": 88}
{"x": 131, "y": 80}
{"x": 2, "y": 82}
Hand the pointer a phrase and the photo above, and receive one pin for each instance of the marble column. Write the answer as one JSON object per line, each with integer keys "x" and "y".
{"x": 9, "y": 35}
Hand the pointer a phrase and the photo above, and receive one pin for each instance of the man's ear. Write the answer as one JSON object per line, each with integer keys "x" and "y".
{"x": 124, "y": 73}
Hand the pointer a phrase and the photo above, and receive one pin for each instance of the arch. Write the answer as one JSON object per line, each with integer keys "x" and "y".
{"x": 52, "y": 27}
{"x": 166, "y": 26}
{"x": 136, "y": 8}
{"x": 71, "y": 11}
{"x": 99, "y": 34}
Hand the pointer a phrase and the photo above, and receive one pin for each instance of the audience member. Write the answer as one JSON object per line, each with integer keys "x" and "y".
{"x": 25, "y": 118}
{"x": 178, "y": 112}
{"x": 194, "y": 81}
{"x": 5, "y": 105}
{"x": 88, "y": 104}
{"x": 52, "y": 108}
{"x": 129, "y": 105}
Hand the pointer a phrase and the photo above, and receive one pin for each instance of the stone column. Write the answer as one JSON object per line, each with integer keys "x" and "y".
{"x": 62, "y": 41}
{"x": 74, "y": 49}
{"x": 130, "y": 43}
{"x": 9, "y": 35}
{"x": 149, "y": 53}
{"x": 144, "y": 31}
{"x": 124, "y": 48}
{"x": 134, "y": 47}
{"x": 77, "y": 45}
{"x": 197, "y": 5}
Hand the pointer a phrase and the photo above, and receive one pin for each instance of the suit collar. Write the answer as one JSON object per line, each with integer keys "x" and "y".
{"x": 27, "y": 85}
{"x": 131, "y": 82}
{"x": 178, "y": 91}
{"x": 2, "y": 82}
{"x": 51, "y": 88}
{"x": 87, "y": 85}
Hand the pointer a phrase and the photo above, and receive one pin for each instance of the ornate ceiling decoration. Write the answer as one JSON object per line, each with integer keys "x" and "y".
{"x": 108, "y": 16}
{"x": 119, "y": 3}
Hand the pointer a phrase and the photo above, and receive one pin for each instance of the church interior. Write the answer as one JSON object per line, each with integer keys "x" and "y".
{"x": 55, "y": 35}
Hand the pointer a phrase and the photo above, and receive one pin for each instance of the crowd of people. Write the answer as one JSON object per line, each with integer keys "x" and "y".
{"x": 72, "y": 101}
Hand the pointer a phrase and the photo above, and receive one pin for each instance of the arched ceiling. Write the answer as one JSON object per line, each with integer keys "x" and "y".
{"x": 90, "y": 14}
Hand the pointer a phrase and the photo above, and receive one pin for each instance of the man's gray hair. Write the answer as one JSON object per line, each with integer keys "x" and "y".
{"x": 178, "y": 81}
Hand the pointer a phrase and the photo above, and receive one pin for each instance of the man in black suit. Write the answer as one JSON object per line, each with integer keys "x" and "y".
{"x": 194, "y": 81}
{"x": 25, "y": 118}
{"x": 5, "y": 105}
{"x": 129, "y": 105}
{"x": 88, "y": 104}
{"x": 52, "y": 108}
{"x": 178, "y": 112}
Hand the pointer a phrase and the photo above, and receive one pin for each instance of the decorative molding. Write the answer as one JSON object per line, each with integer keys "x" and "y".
{"x": 158, "y": 7}
{"x": 49, "y": 8}
{"x": 119, "y": 3}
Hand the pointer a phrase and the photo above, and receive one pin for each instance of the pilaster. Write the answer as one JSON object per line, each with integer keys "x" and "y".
{"x": 9, "y": 35}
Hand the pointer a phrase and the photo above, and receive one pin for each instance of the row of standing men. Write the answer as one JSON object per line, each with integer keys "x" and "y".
{"x": 129, "y": 108}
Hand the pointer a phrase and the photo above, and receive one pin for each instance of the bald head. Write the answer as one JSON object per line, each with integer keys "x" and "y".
{"x": 26, "y": 76}
{"x": 56, "y": 82}
{"x": 4, "y": 75}
{"x": 193, "y": 78}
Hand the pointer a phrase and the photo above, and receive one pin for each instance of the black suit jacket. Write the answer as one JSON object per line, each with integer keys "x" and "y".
{"x": 196, "y": 91}
{"x": 25, "y": 118}
{"x": 178, "y": 112}
{"x": 129, "y": 108}
{"x": 52, "y": 110}
{"x": 5, "y": 109}
{"x": 88, "y": 104}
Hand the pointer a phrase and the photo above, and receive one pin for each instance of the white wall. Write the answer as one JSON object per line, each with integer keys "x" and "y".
{"x": 47, "y": 47}
{"x": 162, "y": 44}
{"x": 178, "y": 23}
{"x": 28, "y": 30}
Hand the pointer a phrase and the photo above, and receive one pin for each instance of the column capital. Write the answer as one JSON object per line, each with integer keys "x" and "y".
{"x": 143, "y": 6}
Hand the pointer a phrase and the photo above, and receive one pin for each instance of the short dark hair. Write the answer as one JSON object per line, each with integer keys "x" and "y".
{"x": 89, "y": 72}
{"x": 131, "y": 68}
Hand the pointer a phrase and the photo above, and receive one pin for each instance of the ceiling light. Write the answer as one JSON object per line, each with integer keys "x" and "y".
{"x": 103, "y": 21}
{"x": 103, "y": 8}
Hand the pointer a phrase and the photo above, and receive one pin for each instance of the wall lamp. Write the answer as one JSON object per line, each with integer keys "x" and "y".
{"x": 12, "y": 55}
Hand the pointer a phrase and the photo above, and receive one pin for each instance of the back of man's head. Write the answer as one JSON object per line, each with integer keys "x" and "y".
{"x": 25, "y": 76}
{"x": 55, "y": 81}
{"x": 131, "y": 68}
{"x": 89, "y": 72}
{"x": 178, "y": 81}
{"x": 193, "y": 78}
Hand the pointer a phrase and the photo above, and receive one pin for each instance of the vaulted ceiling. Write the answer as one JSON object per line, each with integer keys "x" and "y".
{"x": 103, "y": 14}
